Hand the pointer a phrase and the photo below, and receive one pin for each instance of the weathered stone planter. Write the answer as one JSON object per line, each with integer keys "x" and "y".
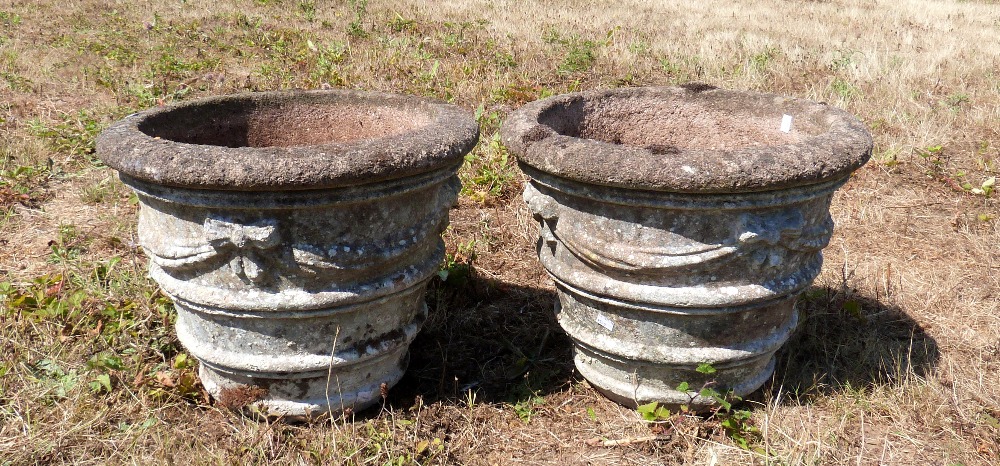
{"x": 296, "y": 233}
{"x": 679, "y": 226}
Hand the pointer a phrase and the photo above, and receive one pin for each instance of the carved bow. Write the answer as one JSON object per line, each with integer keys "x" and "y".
{"x": 251, "y": 241}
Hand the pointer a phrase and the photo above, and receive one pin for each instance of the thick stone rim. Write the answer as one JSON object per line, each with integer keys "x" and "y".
{"x": 441, "y": 143}
{"x": 843, "y": 146}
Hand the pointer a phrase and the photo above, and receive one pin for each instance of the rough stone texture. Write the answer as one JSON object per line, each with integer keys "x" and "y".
{"x": 309, "y": 140}
{"x": 674, "y": 264}
{"x": 307, "y": 296}
{"x": 686, "y": 139}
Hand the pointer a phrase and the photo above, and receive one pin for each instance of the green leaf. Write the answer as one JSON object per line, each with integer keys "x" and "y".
{"x": 706, "y": 368}
{"x": 653, "y": 412}
{"x": 101, "y": 382}
{"x": 853, "y": 308}
{"x": 181, "y": 361}
{"x": 726, "y": 405}
{"x": 106, "y": 360}
{"x": 683, "y": 387}
{"x": 421, "y": 447}
{"x": 648, "y": 411}
{"x": 591, "y": 414}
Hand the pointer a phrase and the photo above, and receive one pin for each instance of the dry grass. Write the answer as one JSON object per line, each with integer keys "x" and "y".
{"x": 897, "y": 360}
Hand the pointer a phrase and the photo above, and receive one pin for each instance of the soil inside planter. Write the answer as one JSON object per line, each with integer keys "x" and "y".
{"x": 252, "y": 124}
{"x": 670, "y": 125}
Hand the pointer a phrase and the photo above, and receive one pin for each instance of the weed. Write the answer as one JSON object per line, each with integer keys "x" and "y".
{"x": 736, "y": 423}
{"x": 68, "y": 245}
{"x": 470, "y": 399}
{"x": 328, "y": 57}
{"x": 579, "y": 56}
{"x": 400, "y": 24}
{"x": 738, "y": 427}
{"x": 843, "y": 89}
{"x": 682, "y": 69}
{"x": 670, "y": 67}
{"x": 308, "y": 9}
{"x": 102, "y": 191}
{"x": 457, "y": 268}
{"x": 489, "y": 169}
{"x": 179, "y": 379}
{"x": 639, "y": 47}
{"x": 21, "y": 184}
{"x": 933, "y": 154}
{"x": 759, "y": 61}
{"x": 936, "y": 159}
{"x": 956, "y": 101}
{"x": 504, "y": 60}
{"x": 10, "y": 19}
{"x": 842, "y": 59}
{"x": 59, "y": 382}
{"x": 73, "y": 135}
{"x": 652, "y": 412}
{"x": 525, "y": 409}
{"x": 427, "y": 450}
{"x": 17, "y": 82}
{"x": 706, "y": 368}
{"x": 356, "y": 27}
{"x": 103, "y": 363}
{"x": 984, "y": 189}
{"x": 455, "y": 37}
{"x": 888, "y": 157}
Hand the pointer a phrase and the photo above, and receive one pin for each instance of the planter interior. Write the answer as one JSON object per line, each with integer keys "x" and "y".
{"x": 299, "y": 122}
{"x": 679, "y": 224}
{"x": 296, "y": 140}
{"x": 687, "y": 140}
{"x": 666, "y": 126}
{"x": 295, "y": 233}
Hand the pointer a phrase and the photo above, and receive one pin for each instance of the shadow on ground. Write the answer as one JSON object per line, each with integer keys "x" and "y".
{"x": 496, "y": 339}
{"x": 501, "y": 342}
{"x": 849, "y": 342}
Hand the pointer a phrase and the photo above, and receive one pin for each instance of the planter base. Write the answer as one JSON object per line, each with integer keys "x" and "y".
{"x": 619, "y": 386}
{"x": 636, "y": 354}
{"x": 310, "y": 395}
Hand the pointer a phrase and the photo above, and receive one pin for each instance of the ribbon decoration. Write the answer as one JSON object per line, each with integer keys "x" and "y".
{"x": 250, "y": 239}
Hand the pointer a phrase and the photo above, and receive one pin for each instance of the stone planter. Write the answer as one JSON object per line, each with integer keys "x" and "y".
{"x": 679, "y": 225}
{"x": 296, "y": 233}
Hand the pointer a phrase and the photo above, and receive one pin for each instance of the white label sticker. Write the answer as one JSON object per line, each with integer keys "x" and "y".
{"x": 605, "y": 322}
{"x": 786, "y": 123}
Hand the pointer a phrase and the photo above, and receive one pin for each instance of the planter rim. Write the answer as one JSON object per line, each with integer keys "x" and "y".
{"x": 432, "y": 135}
{"x": 825, "y": 143}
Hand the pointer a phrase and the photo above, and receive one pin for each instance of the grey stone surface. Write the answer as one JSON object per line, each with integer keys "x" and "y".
{"x": 310, "y": 140}
{"x": 686, "y": 139}
{"x": 664, "y": 260}
{"x": 298, "y": 272}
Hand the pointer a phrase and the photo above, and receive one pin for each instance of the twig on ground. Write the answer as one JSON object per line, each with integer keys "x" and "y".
{"x": 599, "y": 442}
